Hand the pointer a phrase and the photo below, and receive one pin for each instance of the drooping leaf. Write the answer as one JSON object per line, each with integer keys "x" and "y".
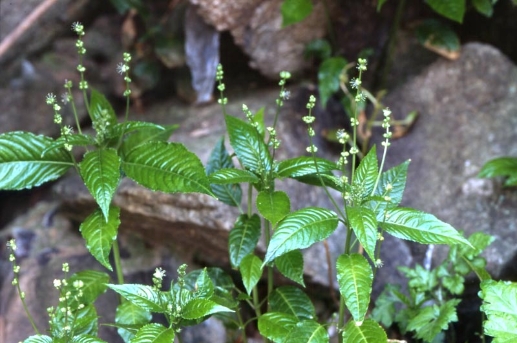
{"x": 93, "y": 284}
{"x": 21, "y": 163}
{"x": 291, "y": 266}
{"x": 432, "y": 320}
{"x": 276, "y": 325}
{"x": 421, "y": 227}
{"x": 292, "y": 301}
{"x": 328, "y": 77}
{"x": 308, "y": 331}
{"x": 146, "y": 135}
{"x": 368, "y": 332}
{"x": 132, "y": 315}
{"x": 484, "y": 7}
{"x": 145, "y": 297}
{"x": 439, "y": 37}
{"x": 99, "y": 234}
{"x": 100, "y": 170}
{"x": 87, "y": 339}
{"x": 250, "y": 271}
{"x": 304, "y": 165}
{"x": 101, "y": 110}
{"x": 355, "y": 277}
{"x": 301, "y": 229}
{"x": 248, "y": 145}
{"x": 367, "y": 172}
{"x": 75, "y": 139}
{"x": 231, "y": 176}
{"x": 452, "y": 9}
{"x": 500, "y": 307}
{"x": 166, "y": 167}
{"x": 502, "y": 166}
{"x": 154, "y": 333}
{"x": 199, "y": 308}
{"x": 243, "y": 238}
{"x": 294, "y": 11}
{"x": 362, "y": 220}
{"x": 273, "y": 205}
{"x": 38, "y": 339}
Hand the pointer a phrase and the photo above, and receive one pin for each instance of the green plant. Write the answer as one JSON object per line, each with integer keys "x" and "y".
{"x": 502, "y": 166}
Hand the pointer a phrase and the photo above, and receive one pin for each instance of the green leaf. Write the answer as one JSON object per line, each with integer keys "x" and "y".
{"x": 367, "y": 172}
{"x": 431, "y": 320}
{"x": 291, "y": 266}
{"x": 142, "y": 296}
{"x": 355, "y": 277}
{"x": 94, "y": 284}
{"x": 258, "y": 118}
{"x": 130, "y": 314}
{"x": 73, "y": 139}
{"x": 85, "y": 320}
{"x": 39, "y": 339}
{"x": 502, "y": 166}
{"x": 304, "y": 165}
{"x": 101, "y": 110}
{"x": 479, "y": 241}
{"x": 166, "y": 167}
{"x": 328, "y": 180}
{"x": 100, "y": 170}
{"x": 143, "y": 136}
{"x": 198, "y": 308}
{"x": 292, "y": 301}
{"x": 99, "y": 234}
{"x": 250, "y": 271}
{"x": 87, "y": 339}
{"x": 500, "y": 307}
{"x": 421, "y": 227}
{"x": 220, "y": 159}
{"x": 380, "y": 3}
{"x": 232, "y": 176}
{"x": 452, "y": 9}
{"x": 243, "y": 238}
{"x": 154, "y": 333}
{"x": 248, "y": 145}
{"x": 273, "y": 205}
{"x": 384, "y": 310}
{"x": 484, "y": 7}
{"x": 204, "y": 287}
{"x": 301, "y": 229}
{"x": 131, "y": 126}
{"x": 294, "y": 11}
{"x": 391, "y": 183}
{"x": 328, "y": 77}
{"x": 21, "y": 163}
{"x": 308, "y": 331}
{"x": 368, "y": 332}
{"x": 362, "y": 220}
{"x": 276, "y": 325}
{"x": 438, "y": 36}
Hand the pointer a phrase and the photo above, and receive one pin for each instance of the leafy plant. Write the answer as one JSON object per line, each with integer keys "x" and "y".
{"x": 502, "y": 166}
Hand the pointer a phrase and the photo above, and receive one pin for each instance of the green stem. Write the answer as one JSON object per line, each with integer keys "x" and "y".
{"x": 74, "y": 110}
{"x": 256, "y": 302}
{"x": 26, "y": 309}
{"x": 267, "y": 234}
{"x": 118, "y": 264}
{"x": 243, "y": 326}
{"x": 180, "y": 340}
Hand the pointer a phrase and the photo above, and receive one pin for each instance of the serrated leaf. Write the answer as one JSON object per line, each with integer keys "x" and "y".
{"x": 384, "y": 310}
{"x": 291, "y": 266}
{"x": 362, "y": 220}
{"x": 308, "y": 331}
{"x": 292, "y": 301}
{"x": 99, "y": 234}
{"x": 166, "y": 167}
{"x": 198, "y": 308}
{"x": 232, "y": 175}
{"x": 126, "y": 127}
{"x": 38, "y": 339}
{"x": 129, "y": 314}
{"x": 502, "y": 166}
{"x": 367, "y": 172}
{"x": 143, "y": 136}
{"x": 329, "y": 180}
{"x": 248, "y": 145}
{"x": 142, "y": 296}
{"x": 421, "y": 227}
{"x": 85, "y": 321}
{"x": 479, "y": 241}
{"x": 396, "y": 179}
{"x": 250, "y": 271}
{"x": 355, "y": 277}
{"x": 101, "y": 110}
{"x": 328, "y": 77}
{"x": 432, "y": 320}
{"x": 304, "y": 165}
{"x": 100, "y": 170}
{"x": 273, "y": 205}
{"x": 368, "y": 332}
{"x": 500, "y": 307}
{"x": 87, "y": 339}
{"x": 93, "y": 284}
{"x": 154, "y": 333}
{"x": 21, "y": 163}
{"x": 439, "y": 37}
{"x": 301, "y": 229}
{"x": 294, "y": 11}
{"x": 484, "y": 7}
{"x": 452, "y": 9}
{"x": 276, "y": 325}
{"x": 73, "y": 139}
{"x": 243, "y": 238}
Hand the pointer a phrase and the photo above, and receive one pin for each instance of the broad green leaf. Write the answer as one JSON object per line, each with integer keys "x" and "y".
{"x": 154, "y": 333}
{"x": 368, "y": 332}
{"x": 93, "y": 284}
{"x": 85, "y": 320}
{"x": 166, "y": 167}
{"x": 301, "y": 229}
{"x": 131, "y": 126}
{"x": 258, "y": 118}
{"x": 291, "y": 266}
{"x": 232, "y": 175}
{"x": 484, "y": 7}
{"x": 355, "y": 277}
{"x": 273, "y": 205}
{"x": 130, "y": 314}
{"x": 198, "y": 308}
{"x": 304, "y": 165}
{"x": 294, "y": 11}
{"x": 73, "y": 139}
{"x": 392, "y": 184}
{"x": 21, "y": 163}
{"x": 452, "y": 9}
{"x": 38, "y": 339}
{"x": 100, "y": 170}
{"x": 248, "y": 145}
{"x": 502, "y": 166}
{"x": 87, "y": 339}
{"x": 367, "y": 172}
{"x": 432, "y": 320}
{"x": 276, "y": 325}
{"x": 421, "y": 227}
{"x": 329, "y": 77}
{"x": 362, "y": 220}
{"x": 308, "y": 331}
{"x": 101, "y": 110}
{"x": 380, "y": 3}
{"x": 243, "y": 238}
{"x": 143, "y": 136}
{"x": 292, "y": 301}
{"x": 500, "y": 307}
{"x": 328, "y": 180}
{"x": 99, "y": 234}
{"x": 438, "y": 37}
{"x": 220, "y": 159}
{"x": 479, "y": 241}
{"x": 142, "y": 296}
{"x": 250, "y": 271}
{"x": 384, "y": 311}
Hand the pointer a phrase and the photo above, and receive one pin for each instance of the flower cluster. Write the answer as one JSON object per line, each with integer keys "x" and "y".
{"x": 219, "y": 78}
{"x": 158, "y": 276}
{"x": 284, "y": 94}
{"x": 123, "y": 69}
{"x": 309, "y": 119}
{"x": 386, "y": 125}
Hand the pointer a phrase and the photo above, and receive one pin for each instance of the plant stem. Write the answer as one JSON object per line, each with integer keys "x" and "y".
{"x": 267, "y": 233}
{"x": 243, "y": 326}
{"x": 118, "y": 264}
{"x": 26, "y": 309}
